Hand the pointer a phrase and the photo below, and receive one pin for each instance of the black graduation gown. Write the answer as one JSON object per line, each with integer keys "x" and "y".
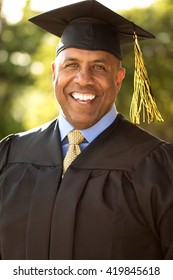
{"x": 114, "y": 202}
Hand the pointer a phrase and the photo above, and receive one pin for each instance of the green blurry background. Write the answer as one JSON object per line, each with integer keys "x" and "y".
{"x": 26, "y": 52}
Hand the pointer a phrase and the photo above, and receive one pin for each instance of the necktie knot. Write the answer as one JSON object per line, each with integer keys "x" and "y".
{"x": 75, "y": 137}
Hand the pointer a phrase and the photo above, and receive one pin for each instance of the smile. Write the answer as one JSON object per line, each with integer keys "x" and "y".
{"x": 83, "y": 97}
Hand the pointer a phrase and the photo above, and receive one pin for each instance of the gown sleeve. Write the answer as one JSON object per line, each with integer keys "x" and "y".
{"x": 153, "y": 183}
{"x": 4, "y": 151}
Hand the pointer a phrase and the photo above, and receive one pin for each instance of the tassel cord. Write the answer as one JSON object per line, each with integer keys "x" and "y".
{"x": 142, "y": 100}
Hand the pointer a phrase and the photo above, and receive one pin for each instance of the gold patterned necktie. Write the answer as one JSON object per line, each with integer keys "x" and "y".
{"x": 75, "y": 138}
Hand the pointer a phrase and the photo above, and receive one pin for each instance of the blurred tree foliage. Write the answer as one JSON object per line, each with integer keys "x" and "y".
{"x": 158, "y": 56}
{"x": 26, "y": 53}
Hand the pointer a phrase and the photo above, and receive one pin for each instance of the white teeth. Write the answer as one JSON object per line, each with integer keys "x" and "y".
{"x": 83, "y": 97}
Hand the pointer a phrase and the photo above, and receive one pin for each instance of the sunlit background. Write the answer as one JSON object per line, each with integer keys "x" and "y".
{"x": 13, "y": 9}
{"x": 26, "y": 53}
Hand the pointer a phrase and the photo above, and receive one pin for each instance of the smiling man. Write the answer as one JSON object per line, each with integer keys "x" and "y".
{"x": 89, "y": 184}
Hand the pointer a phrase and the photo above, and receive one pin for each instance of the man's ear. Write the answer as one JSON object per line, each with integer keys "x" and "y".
{"x": 120, "y": 77}
{"x": 53, "y": 71}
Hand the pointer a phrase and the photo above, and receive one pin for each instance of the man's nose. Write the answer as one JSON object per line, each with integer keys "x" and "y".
{"x": 84, "y": 76}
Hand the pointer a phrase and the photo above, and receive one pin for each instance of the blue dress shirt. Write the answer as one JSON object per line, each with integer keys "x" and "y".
{"x": 90, "y": 133}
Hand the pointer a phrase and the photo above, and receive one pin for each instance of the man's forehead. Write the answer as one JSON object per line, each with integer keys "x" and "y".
{"x": 75, "y": 54}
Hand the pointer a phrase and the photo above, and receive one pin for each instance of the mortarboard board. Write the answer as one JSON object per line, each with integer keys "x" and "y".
{"x": 89, "y": 25}
{"x": 92, "y": 26}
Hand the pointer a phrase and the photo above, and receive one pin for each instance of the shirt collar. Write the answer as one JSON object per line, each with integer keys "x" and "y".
{"x": 92, "y": 132}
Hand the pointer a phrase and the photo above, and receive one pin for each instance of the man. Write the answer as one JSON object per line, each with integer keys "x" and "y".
{"x": 115, "y": 199}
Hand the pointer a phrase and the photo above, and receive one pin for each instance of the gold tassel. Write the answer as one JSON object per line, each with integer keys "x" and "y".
{"x": 143, "y": 105}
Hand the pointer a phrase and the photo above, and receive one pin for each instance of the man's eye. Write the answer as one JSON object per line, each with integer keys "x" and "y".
{"x": 71, "y": 65}
{"x": 99, "y": 67}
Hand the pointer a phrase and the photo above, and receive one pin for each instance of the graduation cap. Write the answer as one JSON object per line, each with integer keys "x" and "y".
{"x": 90, "y": 25}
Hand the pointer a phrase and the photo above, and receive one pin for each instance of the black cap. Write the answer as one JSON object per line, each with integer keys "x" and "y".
{"x": 89, "y": 25}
